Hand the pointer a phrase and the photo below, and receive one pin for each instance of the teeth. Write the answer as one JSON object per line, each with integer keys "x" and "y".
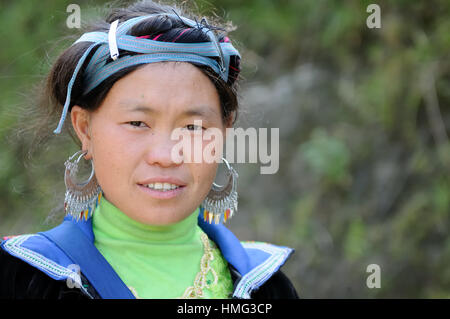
{"x": 162, "y": 186}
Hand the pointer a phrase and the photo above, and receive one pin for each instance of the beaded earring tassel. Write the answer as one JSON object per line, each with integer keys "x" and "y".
{"x": 221, "y": 203}
{"x": 81, "y": 199}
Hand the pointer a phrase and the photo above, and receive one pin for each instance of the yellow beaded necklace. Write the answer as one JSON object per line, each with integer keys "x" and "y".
{"x": 200, "y": 282}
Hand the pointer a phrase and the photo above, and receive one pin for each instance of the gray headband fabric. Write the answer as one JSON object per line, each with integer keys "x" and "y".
{"x": 150, "y": 51}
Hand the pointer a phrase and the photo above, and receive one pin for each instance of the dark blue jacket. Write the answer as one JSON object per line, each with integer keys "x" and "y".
{"x": 43, "y": 261}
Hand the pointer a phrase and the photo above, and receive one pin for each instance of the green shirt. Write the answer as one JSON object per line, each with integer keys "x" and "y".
{"x": 158, "y": 261}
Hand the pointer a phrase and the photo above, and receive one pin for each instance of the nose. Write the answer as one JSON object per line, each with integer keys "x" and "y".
{"x": 159, "y": 150}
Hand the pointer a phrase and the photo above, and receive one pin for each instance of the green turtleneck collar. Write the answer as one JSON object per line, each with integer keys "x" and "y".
{"x": 120, "y": 226}
{"x": 155, "y": 261}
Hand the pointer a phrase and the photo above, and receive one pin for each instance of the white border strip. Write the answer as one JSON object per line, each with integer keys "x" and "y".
{"x": 260, "y": 274}
{"x": 14, "y": 247}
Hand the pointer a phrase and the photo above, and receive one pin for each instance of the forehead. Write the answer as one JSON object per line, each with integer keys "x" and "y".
{"x": 161, "y": 87}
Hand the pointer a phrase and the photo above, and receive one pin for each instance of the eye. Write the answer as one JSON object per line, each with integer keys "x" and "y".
{"x": 136, "y": 123}
{"x": 193, "y": 127}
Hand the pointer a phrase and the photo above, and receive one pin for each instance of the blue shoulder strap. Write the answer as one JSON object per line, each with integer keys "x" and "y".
{"x": 82, "y": 251}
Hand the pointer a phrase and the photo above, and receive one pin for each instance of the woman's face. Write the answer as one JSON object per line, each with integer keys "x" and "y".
{"x": 129, "y": 139}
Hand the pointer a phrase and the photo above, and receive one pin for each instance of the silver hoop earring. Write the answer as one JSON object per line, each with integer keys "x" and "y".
{"x": 81, "y": 199}
{"x": 221, "y": 203}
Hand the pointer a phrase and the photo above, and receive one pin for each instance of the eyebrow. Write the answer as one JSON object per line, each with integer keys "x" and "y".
{"x": 203, "y": 111}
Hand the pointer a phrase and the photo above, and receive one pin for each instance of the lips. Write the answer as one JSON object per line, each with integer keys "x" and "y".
{"x": 162, "y": 193}
{"x": 162, "y": 180}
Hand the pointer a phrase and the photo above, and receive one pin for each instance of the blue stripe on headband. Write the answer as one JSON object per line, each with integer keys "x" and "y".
{"x": 150, "y": 51}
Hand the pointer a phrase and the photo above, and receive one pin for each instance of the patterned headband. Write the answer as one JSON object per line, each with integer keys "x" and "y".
{"x": 150, "y": 51}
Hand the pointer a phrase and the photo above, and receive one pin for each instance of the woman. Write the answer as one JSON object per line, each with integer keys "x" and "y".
{"x": 145, "y": 225}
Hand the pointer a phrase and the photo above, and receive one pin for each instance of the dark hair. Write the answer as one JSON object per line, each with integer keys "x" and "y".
{"x": 53, "y": 96}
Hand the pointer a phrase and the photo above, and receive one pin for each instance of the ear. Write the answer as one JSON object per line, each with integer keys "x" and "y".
{"x": 81, "y": 124}
{"x": 229, "y": 123}
{"x": 229, "y": 120}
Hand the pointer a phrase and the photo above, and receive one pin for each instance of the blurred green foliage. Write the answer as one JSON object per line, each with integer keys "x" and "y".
{"x": 364, "y": 173}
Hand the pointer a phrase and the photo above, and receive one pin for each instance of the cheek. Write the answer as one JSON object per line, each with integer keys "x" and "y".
{"x": 204, "y": 175}
{"x": 111, "y": 156}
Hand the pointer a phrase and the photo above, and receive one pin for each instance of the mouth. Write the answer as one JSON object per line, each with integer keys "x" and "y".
{"x": 162, "y": 189}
